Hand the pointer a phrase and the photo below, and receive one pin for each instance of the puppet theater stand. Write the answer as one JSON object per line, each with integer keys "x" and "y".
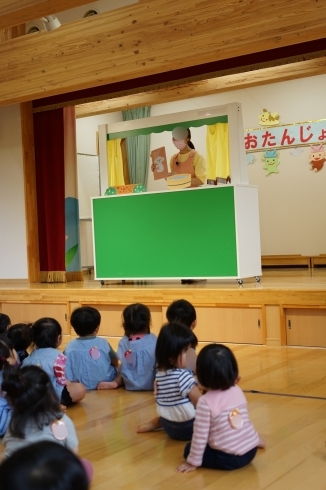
{"x": 202, "y": 233}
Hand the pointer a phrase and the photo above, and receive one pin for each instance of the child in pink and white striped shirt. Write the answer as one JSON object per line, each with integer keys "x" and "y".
{"x": 223, "y": 436}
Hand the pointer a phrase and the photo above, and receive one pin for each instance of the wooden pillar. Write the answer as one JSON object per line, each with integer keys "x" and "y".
{"x": 33, "y": 260}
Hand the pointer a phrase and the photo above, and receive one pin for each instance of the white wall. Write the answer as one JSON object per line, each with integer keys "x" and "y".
{"x": 13, "y": 245}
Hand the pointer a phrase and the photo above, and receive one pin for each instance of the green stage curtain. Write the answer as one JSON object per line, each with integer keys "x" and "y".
{"x": 138, "y": 147}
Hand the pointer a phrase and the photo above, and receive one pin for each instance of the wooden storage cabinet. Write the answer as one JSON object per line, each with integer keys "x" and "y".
{"x": 30, "y": 312}
{"x": 305, "y": 326}
{"x": 230, "y": 324}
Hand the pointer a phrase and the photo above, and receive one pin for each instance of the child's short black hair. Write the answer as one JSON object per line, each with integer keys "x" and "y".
{"x": 136, "y": 319}
{"x": 181, "y": 311}
{"x": 172, "y": 340}
{"x": 45, "y": 333}
{"x": 85, "y": 320}
{"x": 40, "y": 465}
{"x": 20, "y": 335}
{"x": 32, "y": 396}
{"x": 4, "y": 323}
{"x": 6, "y": 348}
{"x": 216, "y": 368}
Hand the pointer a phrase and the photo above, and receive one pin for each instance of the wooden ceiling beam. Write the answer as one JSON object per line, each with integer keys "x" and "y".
{"x": 205, "y": 87}
{"x": 148, "y": 38}
{"x": 13, "y": 13}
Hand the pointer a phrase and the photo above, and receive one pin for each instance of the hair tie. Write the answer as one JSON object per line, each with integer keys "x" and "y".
{"x": 3, "y": 359}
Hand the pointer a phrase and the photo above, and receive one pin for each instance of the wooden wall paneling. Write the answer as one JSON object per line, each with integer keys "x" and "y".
{"x": 28, "y": 312}
{"x": 229, "y": 324}
{"x": 13, "y": 13}
{"x": 273, "y": 325}
{"x": 202, "y": 88}
{"x": 33, "y": 261}
{"x": 148, "y": 38}
{"x": 111, "y": 319}
{"x": 306, "y": 326}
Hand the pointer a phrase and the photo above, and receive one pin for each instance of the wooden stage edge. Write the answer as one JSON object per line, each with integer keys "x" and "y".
{"x": 288, "y": 306}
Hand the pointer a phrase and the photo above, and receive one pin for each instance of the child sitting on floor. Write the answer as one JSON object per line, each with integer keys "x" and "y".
{"x": 223, "y": 438}
{"x": 4, "y": 323}
{"x": 181, "y": 311}
{"x": 47, "y": 336}
{"x": 20, "y": 335}
{"x": 136, "y": 349}
{"x": 176, "y": 392}
{"x": 90, "y": 359}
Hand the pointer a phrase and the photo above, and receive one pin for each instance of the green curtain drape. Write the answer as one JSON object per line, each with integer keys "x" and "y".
{"x": 138, "y": 147}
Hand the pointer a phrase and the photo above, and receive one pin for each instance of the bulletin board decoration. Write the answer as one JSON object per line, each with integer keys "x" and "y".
{"x": 125, "y": 189}
{"x": 286, "y": 136}
{"x": 271, "y": 162}
{"x": 269, "y": 118}
{"x": 317, "y": 157}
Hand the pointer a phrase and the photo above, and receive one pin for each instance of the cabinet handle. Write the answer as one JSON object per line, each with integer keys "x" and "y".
{"x": 258, "y": 323}
{"x": 66, "y": 316}
{"x": 289, "y": 324}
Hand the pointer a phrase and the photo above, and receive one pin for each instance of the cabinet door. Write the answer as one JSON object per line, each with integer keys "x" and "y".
{"x": 306, "y": 327}
{"x": 229, "y": 324}
{"x": 30, "y": 312}
{"x": 111, "y": 319}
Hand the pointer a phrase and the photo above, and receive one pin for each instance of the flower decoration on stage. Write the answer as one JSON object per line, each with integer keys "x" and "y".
{"x": 269, "y": 118}
{"x": 317, "y": 157}
{"x": 271, "y": 162}
{"x": 139, "y": 188}
{"x": 125, "y": 189}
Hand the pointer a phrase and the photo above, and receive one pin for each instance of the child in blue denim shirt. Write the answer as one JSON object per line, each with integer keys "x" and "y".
{"x": 90, "y": 359}
{"x": 136, "y": 349}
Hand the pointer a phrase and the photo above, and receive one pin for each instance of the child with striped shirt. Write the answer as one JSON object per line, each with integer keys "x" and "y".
{"x": 223, "y": 437}
{"x": 175, "y": 389}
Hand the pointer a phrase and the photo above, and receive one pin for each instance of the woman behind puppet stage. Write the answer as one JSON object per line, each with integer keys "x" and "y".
{"x": 188, "y": 160}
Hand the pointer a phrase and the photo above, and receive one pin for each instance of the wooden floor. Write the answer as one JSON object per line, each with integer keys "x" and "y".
{"x": 286, "y": 392}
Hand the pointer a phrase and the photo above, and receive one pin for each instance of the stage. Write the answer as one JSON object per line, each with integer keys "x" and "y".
{"x": 287, "y": 307}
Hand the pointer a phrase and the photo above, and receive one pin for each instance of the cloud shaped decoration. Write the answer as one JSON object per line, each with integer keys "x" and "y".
{"x": 295, "y": 152}
{"x": 250, "y": 158}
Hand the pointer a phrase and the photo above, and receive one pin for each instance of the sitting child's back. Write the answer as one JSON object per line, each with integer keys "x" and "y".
{"x": 90, "y": 359}
{"x": 136, "y": 349}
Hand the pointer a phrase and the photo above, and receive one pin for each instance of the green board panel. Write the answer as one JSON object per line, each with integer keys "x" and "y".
{"x": 183, "y": 234}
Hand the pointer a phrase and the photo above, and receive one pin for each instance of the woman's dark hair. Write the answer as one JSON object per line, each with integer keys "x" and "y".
{"x": 20, "y": 335}
{"x": 172, "y": 340}
{"x": 85, "y": 320}
{"x": 136, "y": 319}
{"x": 190, "y": 143}
{"x": 216, "y": 367}
{"x": 4, "y": 323}
{"x": 181, "y": 311}
{"x": 43, "y": 465}
{"x": 32, "y": 396}
{"x": 45, "y": 333}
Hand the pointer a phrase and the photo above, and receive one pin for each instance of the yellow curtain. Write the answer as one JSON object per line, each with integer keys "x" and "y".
{"x": 217, "y": 151}
{"x": 115, "y": 163}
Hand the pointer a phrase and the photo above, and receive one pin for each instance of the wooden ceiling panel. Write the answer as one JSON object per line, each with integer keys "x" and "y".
{"x": 150, "y": 37}
{"x": 23, "y": 11}
{"x": 205, "y": 87}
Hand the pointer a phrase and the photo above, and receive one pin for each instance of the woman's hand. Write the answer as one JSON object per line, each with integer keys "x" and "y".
{"x": 153, "y": 167}
{"x": 185, "y": 468}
